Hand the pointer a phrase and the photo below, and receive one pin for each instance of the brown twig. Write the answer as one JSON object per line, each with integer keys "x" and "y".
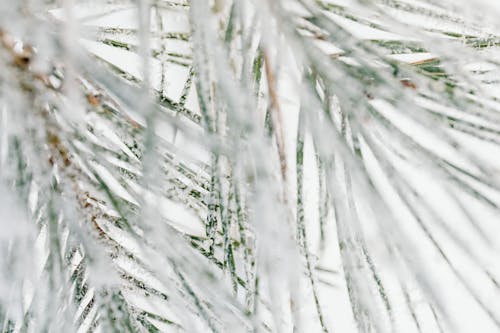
{"x": 277, "y": 118}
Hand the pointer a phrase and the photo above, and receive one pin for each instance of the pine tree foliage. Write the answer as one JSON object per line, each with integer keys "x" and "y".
{"x": 249, "y": 166}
